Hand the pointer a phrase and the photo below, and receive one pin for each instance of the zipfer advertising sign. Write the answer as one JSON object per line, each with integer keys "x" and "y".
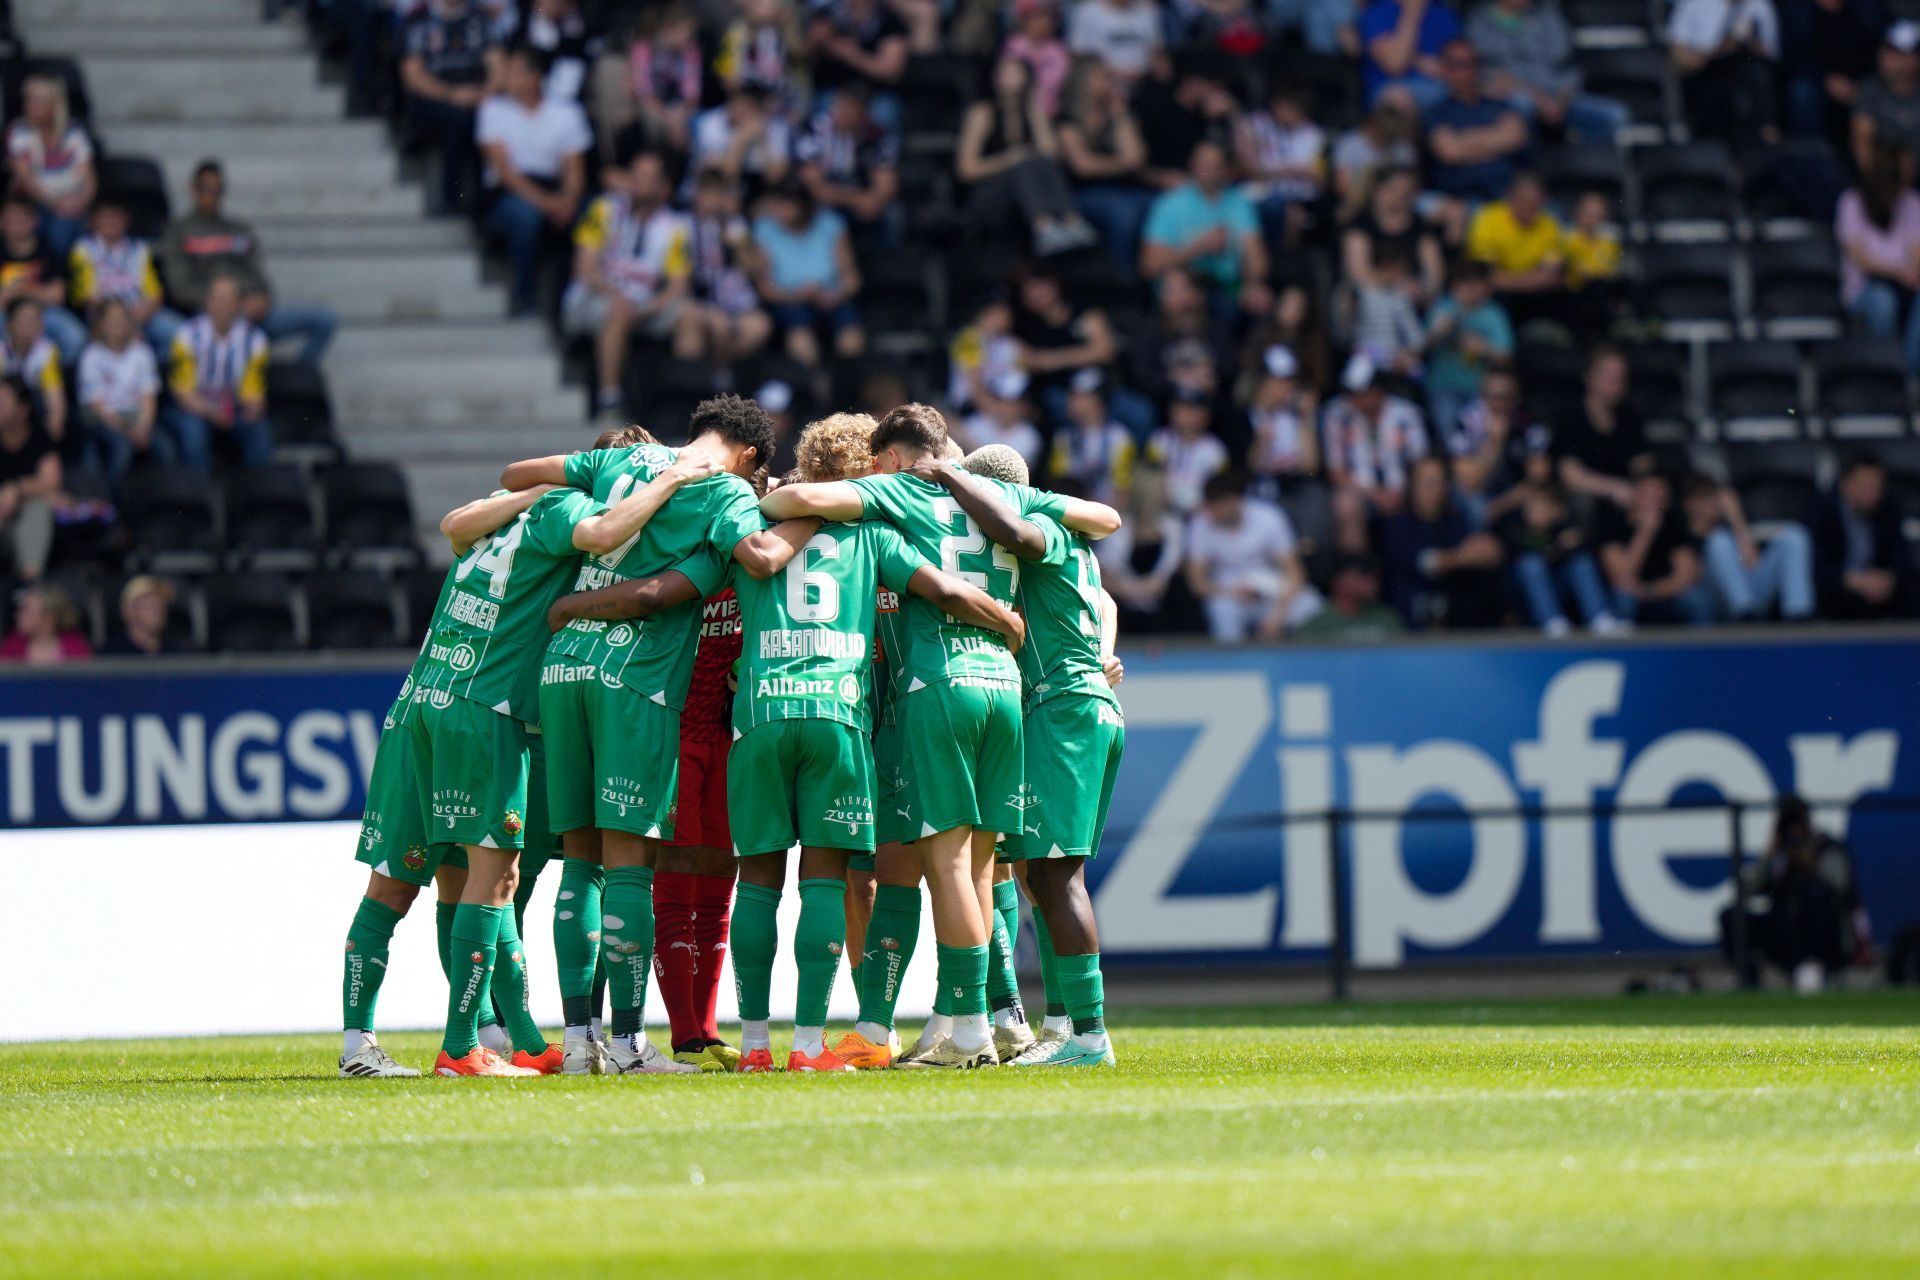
{"x": 1217, "y": 844}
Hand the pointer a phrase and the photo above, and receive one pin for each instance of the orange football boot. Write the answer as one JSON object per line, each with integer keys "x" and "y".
{"x": 546, "y": 1062}
{"x": 825, "y": 1060}
{"x": 479, "y": 1062}
{"x": 861, "y": 1053}
{"x": 757, "y": 1060}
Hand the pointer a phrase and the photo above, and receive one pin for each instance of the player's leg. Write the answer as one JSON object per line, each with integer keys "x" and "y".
{"x": 833, "y": 796}
{"x": 892, "y": 931}
{"x": 1011, "y": 1034}
{"x": 859, "y": 910}
{"x": 570, "y": 788}
{"x": 485, "y": 903}
{"x": 760, "y": 791}
{"x": 1059, "y": 887}
{"x": 692, "y": 908}
{"x": 1055, "y": 1025}
{"x": 538, "y": 843}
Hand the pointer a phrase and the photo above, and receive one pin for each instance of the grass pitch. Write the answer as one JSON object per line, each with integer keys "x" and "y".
{"x": 1744, "y": 1135}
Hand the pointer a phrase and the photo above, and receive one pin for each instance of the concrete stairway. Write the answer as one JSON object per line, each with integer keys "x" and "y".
{"x": 427, "y": 371}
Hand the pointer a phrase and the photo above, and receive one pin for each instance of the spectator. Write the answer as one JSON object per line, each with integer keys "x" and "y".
{"x": 745, "y": 139}
{"x": 52, "y": 161}
{"x": 1495, "y": 448}
{"x": 1381, "y": 143}
{"x": 631, "y": 272}
{"x": 863, "y": 42}
{"x": 119, "y": 394}
{"x": 1186, "y": 450}
{"x": 1887, "y": 106}
{"x": 1602, "y": 443}
{"x": 1804, "y": 914}
{"x": 28, "y": 352}
{"x": 1296, "y": 324}
{"x": 1008, "y": 160}
{"x": 1281, "y": 417}
{"x": 1180, "y": 344}
{"x": 1036, "y": 42}
{"x": 535, "y": 149}
{"x": 113, "y": 265}
{"x": 1590, "y": 247}
{"x": 219, "y": 384}
{"x": 1094, "y": 451}
{"x": 650, "y": 96}
{"x": 1749, "y": 579}
{"x": 206, "y": 243}
{"x": 765, "y": 49}
{"x": 1529, "y": 59}
{"x": 1243, "y": 565}
{"x": 1123, "y": 34}
{"x": 1440, "y": 571}
{"x": 1878, "y": 227}
{"x": 1211, "y": 229}
{"x": 1058, "y": 337}
{"x": 1651, "y": 558}
{"x": 1282, "y": 154}
{"x": 1392, "y": 223}
{"x": 1725, "y": 53}
{"x": 724, "y": 320}
{"x": 1551, "y": 562}
{"x": 30, "y": 481}
{"x": 1326, "y": 27}
{"x": 559, "y": 31}
{"x": 1371, "y": 441}
{"x": 1179, "y": 110}
{"x": 1353, "y": 614}
{"x": 1401, "y": 43}
{"x": 805, "y": 269}
{"x": 1227, "y": 26}
{"x": 1860, "y": 550}
{"x": 1467, "y": 333}
{"x": 46, "y": 629}
{"x": 1105, "y": 155}
{"x": 1003, "y": 417}
{"x": 145, "y": 631}
{"x": 982, "y": 350}
{"x": 851, "y": 164}
{"x": 1827, "y": 50}
{"x": 1386, "y": 319}
{"x": 28, "y": 269}
{"x": 449, "y": 64}
{"x": 1140, "y": 564}
{"x": 1476, "y": 142}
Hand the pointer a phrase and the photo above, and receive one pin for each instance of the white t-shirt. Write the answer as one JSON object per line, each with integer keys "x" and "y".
{"x": 712, "y": 133}
{"x": 1124, "y": 39}
{"x": 117, "y": 379}
{"x": 1701, "y": 25}
{"x": 1248, "y": 552}
{"x": 1189, "y": 464}
{"x": 537, "y": 141}
{"x": 979, "y": 430}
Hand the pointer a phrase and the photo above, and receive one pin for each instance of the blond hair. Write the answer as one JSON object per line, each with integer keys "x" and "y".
{"x": 56, "y": 88}
{"x": 837, "y": 447}
{"x": 997, "y": 462}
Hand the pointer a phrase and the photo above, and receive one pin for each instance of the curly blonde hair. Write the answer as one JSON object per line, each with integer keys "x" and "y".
{"x": 837, "y": 447}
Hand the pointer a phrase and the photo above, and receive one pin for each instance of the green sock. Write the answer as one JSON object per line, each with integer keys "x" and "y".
{"x": 1049, "y": 968}
{"x": 510, "y": 989}
{"x": 818, "y": 940}
{"x": 963, "y": 979}
{"x": 754, "y": 939}
{"x": 626, "y": 941}
{"x": 471, "y": 947}
{"x": 443, "y": 915}
{"x": 891, "y": 934}
{"x": 1085, "y": 992}
{"x": 576, "y": 937}
{"x": 366, "y": 969}
{"x": 1003, "y": 984}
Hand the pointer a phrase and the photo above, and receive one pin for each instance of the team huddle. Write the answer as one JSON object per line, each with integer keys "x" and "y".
{"x": 669, "y": 672}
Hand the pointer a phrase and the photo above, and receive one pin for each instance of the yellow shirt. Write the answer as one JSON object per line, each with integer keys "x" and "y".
{"x": 1497, "y": 239}
{"x": 125, "y": 271}
{"x": 1595, "y": 257}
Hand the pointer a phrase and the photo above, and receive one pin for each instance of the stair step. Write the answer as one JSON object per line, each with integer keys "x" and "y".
{"x": 470, "y": 373}
{"x": 252, "y": 88}
{"x": 279, "y": 141}
{"x": 365, "y": 236}
{"x": 426, "y": 286}
{"x": 143, "y": 37}
{"x": 373, "y": 342}
{"x": 30, "y": 15}
{"x": 429, "y": 403}
{"x": 492, "y": 444}
{"x": 255, "y": 195}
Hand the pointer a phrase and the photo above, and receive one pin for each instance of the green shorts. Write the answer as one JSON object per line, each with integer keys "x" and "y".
{"x": 1073, "y": 756}
{"x": 963, "y": 763}
{"x": 804, "y": 781}
{"x": 893, "y": 820}
{"x": 613, "y": 755}
{"x": 444, "y": 776}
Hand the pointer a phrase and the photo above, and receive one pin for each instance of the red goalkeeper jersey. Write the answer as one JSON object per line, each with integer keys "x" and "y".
{"x": 709, "y": 710}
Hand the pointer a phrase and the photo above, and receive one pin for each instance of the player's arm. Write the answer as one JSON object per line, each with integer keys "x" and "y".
{"x": 968, "y": 603}
{"x": 767, "y": 552}
{"x": 978, "y": 498}
{"x": 634, "y": 598}
{"x": 829, "y": 500}
{"x": 1110, "y": 633}
{"x": 529, "y": 472}
{"x": 620, "y": 523}
{"x": 466, "y": 525}
{"x": 1094, "y": 519}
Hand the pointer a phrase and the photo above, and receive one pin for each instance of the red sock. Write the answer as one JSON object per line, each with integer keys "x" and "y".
{"x": 675, "y": 952}
{"x": 713, "y": 909}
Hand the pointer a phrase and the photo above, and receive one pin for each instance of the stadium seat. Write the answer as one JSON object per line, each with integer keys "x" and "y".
{"x": 936, "y": 90}
{"x": 1796, "y": 288}
{"x": 1754, "y": 391}
{"x": 171, "y": 513}
{"x": 1657, "y": 390}
{"x": 141, "y": 185}
{"x": 251, "y": 613}
{"x": 1637, "y": 77}
{"x": 1790, "y": 188}
{"x": 270, "y": 523}
{"x": 1608, "y": 24}
{"x": 302, "y": 414}
{"x": 899, "y": 304}
{"x": 1552, "y": 379}
{"x": 1862, "y": 388}
{"x": 1687, "y": 191}
{"x": 350, "y": 611}
{"x": 369, "y": 515}
{"x": 419, "y": 593}
{"x": 1689, "y": 287}
{"x": 1569, "y": 172}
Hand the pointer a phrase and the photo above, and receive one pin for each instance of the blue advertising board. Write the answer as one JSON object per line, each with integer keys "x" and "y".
{"x": 1217, "y": 847}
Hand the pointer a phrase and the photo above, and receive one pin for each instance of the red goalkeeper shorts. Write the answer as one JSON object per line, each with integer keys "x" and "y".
{"x": 701, "y": 816}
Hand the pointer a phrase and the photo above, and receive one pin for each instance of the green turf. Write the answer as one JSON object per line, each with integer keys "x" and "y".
{"x": 1750, "y": 1136}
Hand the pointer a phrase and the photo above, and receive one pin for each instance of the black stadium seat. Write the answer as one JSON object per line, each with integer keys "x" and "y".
{"x": 141, "y": 186}
{"x": 1687, "y": 191}
{"x": 1689, "y": 287}
{"x": 171, "y": 513}
{"x": 251, "y": 613}
{"x": 1637, "y": 77}
{"x": 369, "y": 515}
{"x": 897, "y": 301}
{"x": 302, "y": 413}
{"x": 270, "y": 522}
{"x": 1569, "y": 172}
{"x": 1862, "y": 388}
{"x": 351, "y": 610}
{"x": 1657, "y": 390}
{"x": 1754, "y": 390}
{"x": 1796, "y": 287}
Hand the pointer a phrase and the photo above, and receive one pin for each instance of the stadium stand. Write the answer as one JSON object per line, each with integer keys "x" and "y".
{"x": 1756, "y": 348}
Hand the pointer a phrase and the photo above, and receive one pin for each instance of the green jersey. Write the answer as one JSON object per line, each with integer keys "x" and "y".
{"x": 694, "y": 532}
{"x": 889, "y": 652}
{"x": 1060, "y": 596}
{"x": 489, "y": 630}
{"x": 939, "y": 648}
{"x": 807, "y": 632}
